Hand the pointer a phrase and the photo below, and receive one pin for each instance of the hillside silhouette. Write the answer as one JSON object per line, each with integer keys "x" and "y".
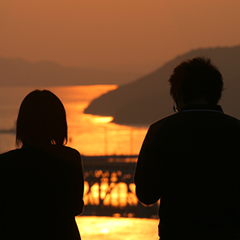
{"x": 19, "y": 72}
{"x": 147, "y": 99}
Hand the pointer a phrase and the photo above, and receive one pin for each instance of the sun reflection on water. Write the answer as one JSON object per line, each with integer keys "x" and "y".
{"x": 106, "y": 228}
{"x": 119, "y": 197}
{"x": 100, "y": 119}
{"x": 92, "y": 135}
{"x": 89, "y": 134}
{"x": 96, "y": 135}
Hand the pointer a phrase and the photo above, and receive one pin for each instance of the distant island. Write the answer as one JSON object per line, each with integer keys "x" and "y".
{"x": 147, "y": 99}
{"x": 19, "y": 72}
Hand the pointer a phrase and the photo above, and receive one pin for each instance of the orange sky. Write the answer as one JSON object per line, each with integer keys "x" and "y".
{"x": 136, "y": 35}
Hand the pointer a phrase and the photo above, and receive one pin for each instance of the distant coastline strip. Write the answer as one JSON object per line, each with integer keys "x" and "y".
{"x": 10, "y": 131}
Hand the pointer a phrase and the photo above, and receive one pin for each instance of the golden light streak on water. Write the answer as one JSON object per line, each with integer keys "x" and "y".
{"x": 100, "y": 119}
{"x": 107, "y": 228}
{"x": 89, "y": 134}
{"x": 89, "y": 137}
{"x": 96, "y": 135}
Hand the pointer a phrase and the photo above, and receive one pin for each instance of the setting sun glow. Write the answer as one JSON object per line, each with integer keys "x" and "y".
{"x": 96, "y": 135}
{"x": 100, "y": 119}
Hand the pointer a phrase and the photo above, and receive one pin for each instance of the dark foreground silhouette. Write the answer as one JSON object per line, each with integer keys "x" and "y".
{"x": 41, "y": 183}
{"x": 190, "y": 160}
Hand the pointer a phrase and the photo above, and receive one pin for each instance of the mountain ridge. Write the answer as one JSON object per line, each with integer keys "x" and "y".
{"x": 147, "y": 99}
{"x": 20, "y": 72}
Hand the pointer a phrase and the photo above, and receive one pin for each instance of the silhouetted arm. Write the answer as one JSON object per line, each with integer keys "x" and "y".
{"x": 76, "y": 186}
{"x": 79, "y": 183}
{"x": 148, "y": 170}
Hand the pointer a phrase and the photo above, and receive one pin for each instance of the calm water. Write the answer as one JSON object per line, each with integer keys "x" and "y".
{"x": 106, "y": 228}
{"x": 90, "y": 135}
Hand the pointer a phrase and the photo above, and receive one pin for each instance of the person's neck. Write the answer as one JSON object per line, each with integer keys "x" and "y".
{"x": 181, "y": 104}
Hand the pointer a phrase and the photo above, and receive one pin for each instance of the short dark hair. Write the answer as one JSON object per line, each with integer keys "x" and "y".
{"x": 41, "y": 119}
{"x": 195, "y": 79}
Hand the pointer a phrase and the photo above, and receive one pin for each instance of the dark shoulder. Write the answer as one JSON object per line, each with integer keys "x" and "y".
{"x": 159, "y": 127}
{"x": 180, "y": 120}
{"x": 164, "y": 122}
{"x": 11, "y": 154}
{"x": 66, "y": 150}
{"x": 177, "y": 117}
{"x": 16, "y": 159}
{"x": 231, "y": 119}
{"x": 65, "y": 153}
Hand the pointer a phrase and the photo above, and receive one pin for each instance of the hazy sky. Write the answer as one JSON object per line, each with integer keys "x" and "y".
{"x": 115, "y": 34}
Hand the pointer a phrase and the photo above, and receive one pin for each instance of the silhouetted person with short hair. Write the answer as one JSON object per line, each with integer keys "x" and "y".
{"x": 41, "y": 183}
{"x": 191, "y": 162}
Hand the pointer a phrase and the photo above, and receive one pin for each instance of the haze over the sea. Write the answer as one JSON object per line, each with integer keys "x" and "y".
{"x": 135, "y": 36}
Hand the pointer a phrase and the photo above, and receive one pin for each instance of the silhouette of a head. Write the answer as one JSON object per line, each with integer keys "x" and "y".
{"x": 41, "y": 120}
{"x": 196, "y": 79}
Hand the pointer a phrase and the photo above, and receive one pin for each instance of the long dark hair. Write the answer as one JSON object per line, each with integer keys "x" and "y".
{"x": 41, "y": 120}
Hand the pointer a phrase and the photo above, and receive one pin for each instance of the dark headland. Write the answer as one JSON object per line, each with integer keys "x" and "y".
{"x": 147, "y": 99}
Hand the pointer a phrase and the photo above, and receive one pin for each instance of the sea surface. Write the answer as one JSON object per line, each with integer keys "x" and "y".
{"x": 90, "y": 135}
{"x": 110, "y": 228}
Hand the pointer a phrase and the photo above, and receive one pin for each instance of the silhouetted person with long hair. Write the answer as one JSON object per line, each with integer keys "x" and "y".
{"x": 191, "y": 161}
{"x": 41, "y": 183}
